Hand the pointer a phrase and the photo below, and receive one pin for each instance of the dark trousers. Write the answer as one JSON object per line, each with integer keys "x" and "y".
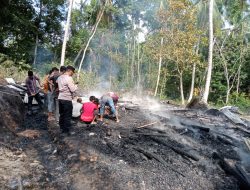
{"x": 65, "y": 111}
{"x": 38, "y": 99}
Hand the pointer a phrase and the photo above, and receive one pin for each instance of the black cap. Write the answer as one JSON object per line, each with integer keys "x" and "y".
{"x": 69, "y": 67}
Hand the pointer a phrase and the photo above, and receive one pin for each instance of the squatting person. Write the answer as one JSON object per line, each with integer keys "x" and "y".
{"x": 110, "y": 99}
{"x": 89, "y": 110}
{"x": 67, "y": 88}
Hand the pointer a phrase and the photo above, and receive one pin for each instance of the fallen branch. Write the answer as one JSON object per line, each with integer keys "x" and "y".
{"x": 159, "y": 159}
{"x": 29, "y": 134}
{"x": 147, "y": 125}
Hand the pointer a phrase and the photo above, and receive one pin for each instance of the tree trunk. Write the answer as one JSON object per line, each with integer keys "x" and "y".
{"x": 238, "y": 80}
{"x": 228, "y": 92}
{"x": 181, "y": 89}
{"x": 35, "y": 53}
{"x": 159, "y": 69}
{"x": 163, "y": 86}
{"x": 133, "y": 58}
{"x": 210, "y": 53}
{"x": 192, "y": 83}
{"x": 110, "y": 74}
{"x": 138, "y": 70}
{"x": 193, "y": 75}
{"x": 66, "y": 33}
{"x": 90, "y": 38}
{"x": 77, "y": 57}
{"x": 127, "y": 77}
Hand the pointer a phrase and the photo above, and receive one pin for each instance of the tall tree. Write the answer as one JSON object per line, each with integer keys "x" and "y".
{"x": 66, "y": 33}
{"x": 99, "y": 17}
{"x": 210, "y": 52}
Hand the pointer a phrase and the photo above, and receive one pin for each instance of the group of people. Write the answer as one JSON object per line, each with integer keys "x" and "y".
{"x": 95, "y": 109}
{"x": 60, "y": 90}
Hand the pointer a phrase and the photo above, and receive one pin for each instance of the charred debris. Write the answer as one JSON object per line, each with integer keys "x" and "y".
{"x": 155, "y": 146}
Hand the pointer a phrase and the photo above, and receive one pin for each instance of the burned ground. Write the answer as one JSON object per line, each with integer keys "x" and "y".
{"x": 179, "y": 149}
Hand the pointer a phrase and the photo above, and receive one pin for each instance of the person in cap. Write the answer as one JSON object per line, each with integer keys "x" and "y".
{"x": 53, "y": 79}
{"x": 67, "y": 88}
{"x": 110, "y": 99}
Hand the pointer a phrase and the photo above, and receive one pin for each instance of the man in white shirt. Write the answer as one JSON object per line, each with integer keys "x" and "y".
{"x": 67, "y": 88}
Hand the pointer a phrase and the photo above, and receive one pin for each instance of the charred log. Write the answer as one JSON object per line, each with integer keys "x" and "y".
{"x": 151, "y": 155}
{"x": 206, "y": 129}
{"x": 236, "y": 171}
{"x": 182, "y": 152}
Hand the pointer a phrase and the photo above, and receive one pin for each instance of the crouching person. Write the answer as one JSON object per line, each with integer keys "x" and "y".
{"x": 67, "y": 88}
{"x": 89, "y": 111}
{"x": 109, "y": 99}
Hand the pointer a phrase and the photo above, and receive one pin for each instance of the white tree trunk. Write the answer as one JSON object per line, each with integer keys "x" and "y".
{"x": 192, "y": 83}
{"x": 90, "y": 38}
{"x": 128, "y": 63}
{"x": 228, "y": 92}
{"x": 66, "y": 33}
{"x": 138, "y": 69}
{"x": 210, "y": 53}
{"x": 238, "y": 81}
{"x": 159, "y": 69}
{"x": 35, "y": 53}
{"x": 181, "y": 89}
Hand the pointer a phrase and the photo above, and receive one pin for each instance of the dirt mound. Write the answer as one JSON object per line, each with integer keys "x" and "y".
{"x": 11, "y": 109}
{"x": 2, "y": 81}
{"x": 196, "y": 103}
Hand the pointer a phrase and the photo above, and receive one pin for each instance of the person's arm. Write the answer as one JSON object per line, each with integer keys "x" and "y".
{"x": 38, "y": 80}
{"x": 71, "y": 85}
{"x": 82, "y": 109}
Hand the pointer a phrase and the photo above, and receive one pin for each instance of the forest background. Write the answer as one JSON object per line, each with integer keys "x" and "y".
{"x": 159, "y": 47}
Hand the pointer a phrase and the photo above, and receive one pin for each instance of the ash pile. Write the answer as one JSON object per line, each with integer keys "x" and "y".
{"x": 159, "y": 146}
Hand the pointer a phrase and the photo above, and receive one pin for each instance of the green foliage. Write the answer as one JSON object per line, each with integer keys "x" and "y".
{"x": 15, "y": 70}
{"x": 45, "y": 68}
{"x": 118, "y": 56}
{"x": 88, "y": 81}
{"x": 240, "y": 100}
{"x": 24, "y": 20}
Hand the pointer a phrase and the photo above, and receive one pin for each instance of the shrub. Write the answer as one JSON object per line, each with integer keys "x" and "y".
{"x": 240, "y": 100}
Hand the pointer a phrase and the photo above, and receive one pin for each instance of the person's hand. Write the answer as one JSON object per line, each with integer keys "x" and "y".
{"x": 32, "y": 94}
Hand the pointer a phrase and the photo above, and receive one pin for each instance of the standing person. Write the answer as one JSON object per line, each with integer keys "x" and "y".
{"x": 67, "y": 88}
{"x": 32, "y": 91}
{"x": 107, "y": 100}
{"x": 45, "y": 87}
{"x": 56, "y": 89}
{"x": 51, "y": 93}
{"x": 50, "y": 97}
{"x": 89, "y": 111}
